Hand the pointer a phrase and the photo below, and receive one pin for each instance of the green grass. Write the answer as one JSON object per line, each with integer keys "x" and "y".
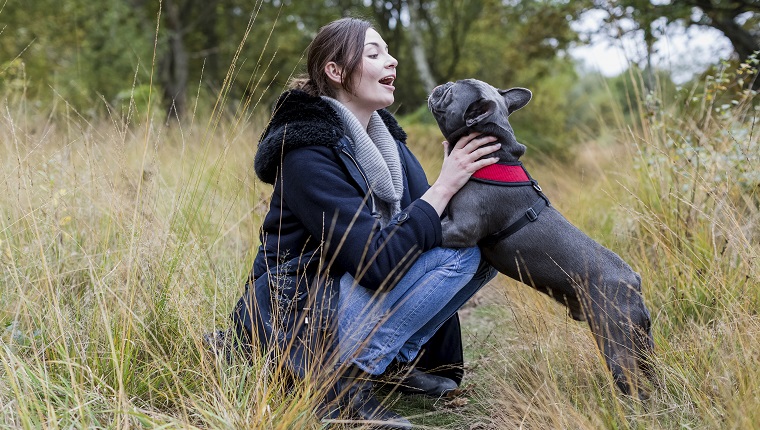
{"x": 120, "y": 245}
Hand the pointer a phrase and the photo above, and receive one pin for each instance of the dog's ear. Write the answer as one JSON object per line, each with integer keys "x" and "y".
{"x": 478, "y": 110}
{"x": 516, "y": 98}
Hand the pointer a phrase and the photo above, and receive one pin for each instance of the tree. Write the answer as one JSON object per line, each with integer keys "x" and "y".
{"x": 78, "y": 51}
{"x": 242, "y": 53}
{"x": 727, "y": 16}
{"x": 738, "y": 20}
{"x": 173, "y": 66}
{"x": 418, "y": 47}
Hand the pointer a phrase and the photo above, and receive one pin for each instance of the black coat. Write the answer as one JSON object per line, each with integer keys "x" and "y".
{"x": 321, "y": 225}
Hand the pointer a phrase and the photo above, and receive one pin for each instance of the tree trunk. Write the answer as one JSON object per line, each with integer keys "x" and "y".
{"x": 208, "y": 27}
{"x": 174, "y": 65}
{"x": 742, "y": 40}
{"x": 723, "y": 18}
{"x": 418, "y": 47}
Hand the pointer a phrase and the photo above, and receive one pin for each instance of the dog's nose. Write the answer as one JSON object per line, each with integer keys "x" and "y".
{"x": 436, "y": 93}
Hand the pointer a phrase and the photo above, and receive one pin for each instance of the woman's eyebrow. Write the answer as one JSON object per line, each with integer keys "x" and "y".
{"x": 375, "y": 44}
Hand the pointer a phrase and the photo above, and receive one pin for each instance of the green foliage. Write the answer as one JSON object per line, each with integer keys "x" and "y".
{"x": 105, "y": 58}
{"x": 511, "y": 45}
{"x": 137, "y": 101}
{"x": 76, "y": 50}
{"x": 545, "y": 124}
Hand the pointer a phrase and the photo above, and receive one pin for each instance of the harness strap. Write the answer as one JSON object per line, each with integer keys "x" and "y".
{"x": 530, "y": 215}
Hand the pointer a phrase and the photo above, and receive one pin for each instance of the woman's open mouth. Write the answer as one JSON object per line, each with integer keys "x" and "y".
{"x": 388, "y": 81}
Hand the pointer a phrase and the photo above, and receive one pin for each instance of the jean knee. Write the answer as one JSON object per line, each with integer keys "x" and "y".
{"x": 468, "y": 259}
{"x": 454, "y": 260}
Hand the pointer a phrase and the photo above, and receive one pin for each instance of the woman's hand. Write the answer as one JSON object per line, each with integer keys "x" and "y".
{"x": 458, "y": 166}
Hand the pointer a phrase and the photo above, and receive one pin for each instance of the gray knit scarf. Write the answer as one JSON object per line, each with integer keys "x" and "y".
{"x": 377, "y": 154}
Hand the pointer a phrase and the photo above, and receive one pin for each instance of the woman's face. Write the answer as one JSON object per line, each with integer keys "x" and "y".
{"x": 374, "y": 89}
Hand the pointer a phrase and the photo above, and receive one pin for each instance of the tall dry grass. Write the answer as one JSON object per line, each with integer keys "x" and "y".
{"x": 122, "y": 242}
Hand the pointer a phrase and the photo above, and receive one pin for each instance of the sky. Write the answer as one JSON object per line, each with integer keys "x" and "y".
{"x": 683, "y": 52}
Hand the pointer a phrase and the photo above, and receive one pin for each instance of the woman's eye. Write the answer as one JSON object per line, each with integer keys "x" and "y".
{"x": 372, "y": 56}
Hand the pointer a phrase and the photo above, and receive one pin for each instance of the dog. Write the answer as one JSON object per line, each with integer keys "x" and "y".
{"x": 504, "y": 211}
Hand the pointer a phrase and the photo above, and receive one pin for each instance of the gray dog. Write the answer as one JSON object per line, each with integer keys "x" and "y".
{"x": 504, "y": 211}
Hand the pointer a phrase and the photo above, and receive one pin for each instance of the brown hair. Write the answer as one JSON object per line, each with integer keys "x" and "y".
{"x": 342, "y": 42}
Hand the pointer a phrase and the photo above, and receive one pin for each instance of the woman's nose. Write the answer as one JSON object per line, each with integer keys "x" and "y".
{"x": 392, "y": 62}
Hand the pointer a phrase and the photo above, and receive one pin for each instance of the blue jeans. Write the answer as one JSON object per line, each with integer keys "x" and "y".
{"x": 376, "y": 327}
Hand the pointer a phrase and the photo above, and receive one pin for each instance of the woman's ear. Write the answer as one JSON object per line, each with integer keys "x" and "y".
{"x": 334, "y": 73}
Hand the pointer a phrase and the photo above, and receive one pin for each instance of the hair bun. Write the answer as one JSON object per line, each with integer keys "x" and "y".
{"x": 304, "y": 83}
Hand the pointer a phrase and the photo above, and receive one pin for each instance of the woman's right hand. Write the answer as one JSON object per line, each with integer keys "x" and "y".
{"x": 458, "y": 165}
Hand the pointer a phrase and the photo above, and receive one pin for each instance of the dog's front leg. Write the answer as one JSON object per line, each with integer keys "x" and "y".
{"x": 457, "y": 234}
{"x": 621, "y": 324}
{"x": 464, "y": 225}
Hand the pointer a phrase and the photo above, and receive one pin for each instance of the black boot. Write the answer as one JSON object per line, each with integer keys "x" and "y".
{"x": 359, "y": 400}
{"x": 409, "y": 380}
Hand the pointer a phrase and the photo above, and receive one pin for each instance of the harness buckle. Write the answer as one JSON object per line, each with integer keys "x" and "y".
{"x": 531, "y": 214}
{"x": 536, "y": 186}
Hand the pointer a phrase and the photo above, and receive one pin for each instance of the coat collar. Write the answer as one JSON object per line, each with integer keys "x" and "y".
{"x": 301, "y": 120}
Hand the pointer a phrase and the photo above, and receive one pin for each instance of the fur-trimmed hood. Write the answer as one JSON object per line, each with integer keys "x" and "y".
{"x": 300, "y": 120}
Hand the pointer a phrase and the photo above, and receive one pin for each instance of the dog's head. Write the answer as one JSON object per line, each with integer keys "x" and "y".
{"x": 469, "y": 105}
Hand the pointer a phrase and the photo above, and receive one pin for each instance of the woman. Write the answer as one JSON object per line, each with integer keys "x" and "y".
{"x": 350, "y": 275}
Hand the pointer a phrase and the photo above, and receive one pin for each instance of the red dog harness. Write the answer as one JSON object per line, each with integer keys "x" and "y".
{"x": 510, "y": 174}
{"x": 503, "y": 172}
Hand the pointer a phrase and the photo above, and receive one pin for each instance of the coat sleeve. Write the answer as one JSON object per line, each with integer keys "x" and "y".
{"x": 317, "y": 189}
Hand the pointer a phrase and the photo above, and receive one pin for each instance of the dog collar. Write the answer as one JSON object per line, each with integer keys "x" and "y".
{"x": 508, "y": 173}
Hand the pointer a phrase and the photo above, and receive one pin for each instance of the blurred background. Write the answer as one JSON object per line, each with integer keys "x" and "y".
{"x": 185, "y": 55}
